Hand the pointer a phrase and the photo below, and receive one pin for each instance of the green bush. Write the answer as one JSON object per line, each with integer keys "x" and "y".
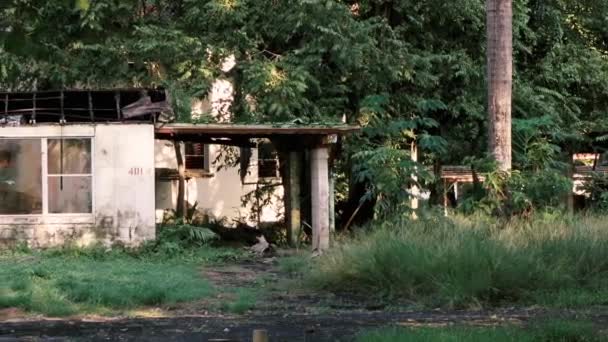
{"x": 459, "y": 263}
{"x": 597, "y": 189}
{"x": 518, "y": 193}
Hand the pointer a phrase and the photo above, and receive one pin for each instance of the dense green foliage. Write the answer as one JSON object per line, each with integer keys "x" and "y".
{"x": 462, "y": 263}
{"x": 406, "y": 70}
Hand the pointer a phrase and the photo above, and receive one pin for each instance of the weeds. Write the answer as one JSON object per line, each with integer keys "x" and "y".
{"x": 295, "y": 265}
{"x": 63, "y": 285}
{"x": 464, "y": 264}
{"x": 564, "y": 331}
{"x": 245, "y": 301}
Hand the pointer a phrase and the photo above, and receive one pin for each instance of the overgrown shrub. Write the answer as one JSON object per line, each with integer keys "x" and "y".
{"x": 186, "y": 235}
{"x": 178, "y": 238}
{"x": 596, "y": 189}
{"x": 518, "y": 193}
{"x": 459, "y": 263}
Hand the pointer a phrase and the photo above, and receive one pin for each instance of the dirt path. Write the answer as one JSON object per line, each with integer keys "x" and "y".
{"x": 282, "y": 327}
{"x": 287, "y": 315}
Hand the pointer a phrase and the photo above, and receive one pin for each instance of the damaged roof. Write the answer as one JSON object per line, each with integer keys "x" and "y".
{"x": 81, "y": 106}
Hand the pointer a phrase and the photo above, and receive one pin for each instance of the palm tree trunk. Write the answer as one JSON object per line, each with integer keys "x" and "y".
{"x": 499, "y": 15}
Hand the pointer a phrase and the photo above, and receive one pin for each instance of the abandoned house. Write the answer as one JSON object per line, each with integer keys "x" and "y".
{"x": 101, "y": 166}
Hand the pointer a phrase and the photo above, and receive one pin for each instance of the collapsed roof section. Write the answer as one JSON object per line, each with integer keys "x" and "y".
{"x": 82, "y": 106}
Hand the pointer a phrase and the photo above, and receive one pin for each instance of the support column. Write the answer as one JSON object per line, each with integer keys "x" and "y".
{"x": 445, "y": 197}
{"x": 294, "y": 220}
{"x": 332, "y": 200}
{"x": 570, "y": 195}
{"x": 319, "y": 184}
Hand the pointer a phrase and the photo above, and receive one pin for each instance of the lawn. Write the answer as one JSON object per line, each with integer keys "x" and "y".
{"x": 70, "y": 281}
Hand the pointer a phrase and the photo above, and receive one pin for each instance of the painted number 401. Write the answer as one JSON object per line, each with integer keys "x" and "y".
{"x": 136, "y": 171}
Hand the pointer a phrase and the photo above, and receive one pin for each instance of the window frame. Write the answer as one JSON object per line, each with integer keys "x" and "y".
{"x": 277, "y": 161}
{"x": 45, "y": 172}
{"x": 45, "y": 184}
{"x": 206, "y": 163}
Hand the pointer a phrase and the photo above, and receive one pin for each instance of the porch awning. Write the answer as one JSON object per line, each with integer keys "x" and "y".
{"x": 240, "y": 134}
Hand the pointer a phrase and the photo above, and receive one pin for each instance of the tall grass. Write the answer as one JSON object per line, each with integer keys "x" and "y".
{"x": 566, "y": 331}
{"x": 459, "y": 262}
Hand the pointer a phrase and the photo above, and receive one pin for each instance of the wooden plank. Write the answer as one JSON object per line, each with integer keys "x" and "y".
{"x": 6, "y": 108}
{"x": 90, "y": 100}
{"x": 62, "y": 118}
{"x": 236, "y": 129}
{"x": 117, "y": 100}
{"x": 33, "y": 118}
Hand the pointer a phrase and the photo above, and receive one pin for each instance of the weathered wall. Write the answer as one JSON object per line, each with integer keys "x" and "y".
{"x": 219, "y": 195}
{"x": 123, "y": 190}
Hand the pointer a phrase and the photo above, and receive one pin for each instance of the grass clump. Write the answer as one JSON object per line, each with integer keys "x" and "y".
{"x": 245, "y": 301}
{"x": 459, "y": 263}
{"x": 295, "y": 265}
{"x": 70, "y": 281}
{"x": 557, "y": 331}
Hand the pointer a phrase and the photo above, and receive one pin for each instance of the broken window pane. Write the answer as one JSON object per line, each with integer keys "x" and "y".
{"x": 20, "y": 176}
{"x": 71, "y": 157}
{"x": 195, "y": 156}
{"x": 69, "y": 180}
{"x": 70, "y": 195}
{"x": 268, "y": 161}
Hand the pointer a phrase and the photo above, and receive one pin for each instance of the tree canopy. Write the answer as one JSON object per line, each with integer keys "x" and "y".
{"x": 404, "y": 70}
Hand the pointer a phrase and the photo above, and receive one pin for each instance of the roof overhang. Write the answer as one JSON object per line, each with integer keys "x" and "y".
{"x": 252, "y": 130}
{"x": 241, "y": 134}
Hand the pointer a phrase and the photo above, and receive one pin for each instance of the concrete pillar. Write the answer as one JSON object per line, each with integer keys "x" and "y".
{"x": 319, "y": 184}
{"x": 570, "y": 195}
{"x": 445, "y": 197}
{"x": 332, "y": 200}
{"x": 294, "y": 220}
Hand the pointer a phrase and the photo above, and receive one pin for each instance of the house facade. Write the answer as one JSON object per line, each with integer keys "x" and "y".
{"x": 91, "y": 183}
{"x": 85, "y": 167}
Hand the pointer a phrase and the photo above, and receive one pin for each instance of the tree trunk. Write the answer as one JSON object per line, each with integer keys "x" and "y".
{"x": 499, "y": 15}
{"x": 180, "y": 210}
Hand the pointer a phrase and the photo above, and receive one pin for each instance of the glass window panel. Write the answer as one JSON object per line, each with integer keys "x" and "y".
{"x": 70, "y": 195}
{"x": 74, "y": 155}
{"x": 195, "y": 156}
{"x": 268, "y": 164}
{"x": 20, "y": 176}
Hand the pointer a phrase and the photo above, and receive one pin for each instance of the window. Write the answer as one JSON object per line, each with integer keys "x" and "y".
{"x": 20, "y": 176}
{"x": 62, "y": 186}
{"x": 69, "y": 176}
{"x": 196, "y": 156}
{"x": 268, "y": 161}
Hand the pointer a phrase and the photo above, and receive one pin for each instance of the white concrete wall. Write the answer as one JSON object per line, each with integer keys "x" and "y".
{"x": 218, "y": 196}
{"x": 123, "y": 190}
